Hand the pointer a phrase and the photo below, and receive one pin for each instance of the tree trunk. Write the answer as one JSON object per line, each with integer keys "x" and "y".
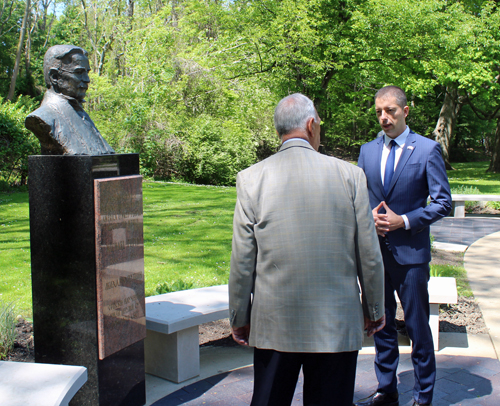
{"x": 446, "y": 123}
{"x": 495, "y": 159}
{"x": 19, "y": 51}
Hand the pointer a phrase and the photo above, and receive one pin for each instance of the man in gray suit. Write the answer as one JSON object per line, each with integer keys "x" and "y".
{"x": 303, "y": 238}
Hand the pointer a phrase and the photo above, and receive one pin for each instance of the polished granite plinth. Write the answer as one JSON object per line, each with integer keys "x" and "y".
{"x": 64, "y": 276}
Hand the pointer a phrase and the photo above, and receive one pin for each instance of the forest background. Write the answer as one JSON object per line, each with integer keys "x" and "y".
{"x": 191, "y": 85}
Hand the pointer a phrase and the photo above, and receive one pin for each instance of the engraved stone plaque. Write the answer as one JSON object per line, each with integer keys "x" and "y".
{"x": 120, "y": 263}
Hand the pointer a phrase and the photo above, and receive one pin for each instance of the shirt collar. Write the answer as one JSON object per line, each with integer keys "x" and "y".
{"x": 400, "y": 139}
{"x": 296, "y": 139}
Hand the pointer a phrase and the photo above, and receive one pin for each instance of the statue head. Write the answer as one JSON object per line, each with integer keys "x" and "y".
{"x": 65, "y": 69}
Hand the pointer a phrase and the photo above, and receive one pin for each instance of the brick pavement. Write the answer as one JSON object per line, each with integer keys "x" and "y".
{"x": 461, "y": 380}
{"x": 464, "y": 231}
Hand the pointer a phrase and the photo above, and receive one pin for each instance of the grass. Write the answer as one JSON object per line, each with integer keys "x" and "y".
{"x": 474, "y": 175}
{"x": 15, "y": 282}
{"x": 187, "y": 234}
{"x": 472, "y": 178}
{"x": 187, "y": 237}
{"x": 8, "y": 331}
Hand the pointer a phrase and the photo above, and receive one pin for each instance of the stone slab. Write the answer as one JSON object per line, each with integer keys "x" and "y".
{"x": 120, "y": 263}
{"x": 177, "y": 311}
{"x": 29, "y": 384}
{"x": 442, "y": 290}
{"x": 449, "y": 247}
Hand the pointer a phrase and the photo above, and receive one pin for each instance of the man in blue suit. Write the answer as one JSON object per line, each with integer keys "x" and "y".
{"x": 403, "y": 169}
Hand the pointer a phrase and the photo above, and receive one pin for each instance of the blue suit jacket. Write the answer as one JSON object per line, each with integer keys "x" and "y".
{"x": 420, "y": 173}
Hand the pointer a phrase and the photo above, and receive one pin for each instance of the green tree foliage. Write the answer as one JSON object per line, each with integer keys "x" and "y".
{"x": 192, "y": 85}
{"x": 16, "y": 142}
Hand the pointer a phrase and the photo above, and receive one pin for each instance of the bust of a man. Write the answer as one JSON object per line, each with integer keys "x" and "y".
{"x": 61, "y": 124}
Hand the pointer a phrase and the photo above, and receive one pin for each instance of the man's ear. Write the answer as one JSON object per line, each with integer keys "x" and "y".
{"x": 310, "y": 127}
{"x": 406, "y": 109}
{"x": 53, "y": 77}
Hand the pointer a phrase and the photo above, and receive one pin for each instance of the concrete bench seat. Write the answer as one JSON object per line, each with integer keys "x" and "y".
{"x": 459, "y": 200}
{"x": 441, "y": 290}
{"x": 31, "y": 384}
{"x": 172, "y": 343}
{"x": 172, "y": 339}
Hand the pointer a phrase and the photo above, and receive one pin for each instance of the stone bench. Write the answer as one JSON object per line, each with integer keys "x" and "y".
{"x": 441, "y": 290}
{"x": 27, "y": 383}
{"x": 459, "y": 200}
{"x": 171, "y": 346}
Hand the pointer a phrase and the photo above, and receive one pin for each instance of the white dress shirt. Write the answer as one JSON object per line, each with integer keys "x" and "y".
{"x": 400, "y": 143}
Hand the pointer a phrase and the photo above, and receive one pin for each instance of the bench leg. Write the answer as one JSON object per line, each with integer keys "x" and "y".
{"x": 459, "y": 209}
{"x": 434, "y": 324}
{"x": 175, "y": 356}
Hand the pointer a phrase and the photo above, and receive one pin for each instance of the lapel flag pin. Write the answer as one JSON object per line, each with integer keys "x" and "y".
{"x": 410, "y": 148}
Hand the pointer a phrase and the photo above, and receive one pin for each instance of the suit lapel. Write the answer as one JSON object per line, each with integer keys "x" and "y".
{"x": 376, "y": 170}
{"x": 408, "y": 149}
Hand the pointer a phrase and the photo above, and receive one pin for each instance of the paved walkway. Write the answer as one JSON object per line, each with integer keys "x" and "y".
{"x": 468, "y": 368}
{"x": 464, "y": 231}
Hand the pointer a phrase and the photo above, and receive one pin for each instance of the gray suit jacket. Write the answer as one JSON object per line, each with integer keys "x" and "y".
{"x": 303, "y": 236}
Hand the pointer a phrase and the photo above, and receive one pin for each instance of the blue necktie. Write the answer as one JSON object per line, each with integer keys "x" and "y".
{"x": 389, "y": 166}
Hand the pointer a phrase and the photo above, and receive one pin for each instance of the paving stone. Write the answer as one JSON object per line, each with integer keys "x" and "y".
{"x": 199, "y": 387}
{"x": 465, "y": 378}
{"x": 463, "y": 231}
{"x": 247, "y": 397}
{"x": 459, "y": 397}
{"x": 438, "y": 394}
{"x": 448, "y": 386}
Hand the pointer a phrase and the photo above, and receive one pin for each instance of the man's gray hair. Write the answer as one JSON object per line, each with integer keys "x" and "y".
{"x": 292, "y": 113}
{"x": 56, "y": 56}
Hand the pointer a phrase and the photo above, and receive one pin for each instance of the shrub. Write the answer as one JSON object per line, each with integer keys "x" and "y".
{"x": 16, "y": 142}
{"x": 176, "y": 286}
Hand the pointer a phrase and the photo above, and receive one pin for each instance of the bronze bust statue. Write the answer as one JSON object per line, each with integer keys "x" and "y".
{"x": 61, "y": 124}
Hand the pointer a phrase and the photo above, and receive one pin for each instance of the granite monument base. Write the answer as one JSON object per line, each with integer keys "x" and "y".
{"x": 87, "y": 261}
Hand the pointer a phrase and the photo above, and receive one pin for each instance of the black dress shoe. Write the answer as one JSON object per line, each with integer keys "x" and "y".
{"x": 415, "y": 403}
{"x": 379, "y": 399}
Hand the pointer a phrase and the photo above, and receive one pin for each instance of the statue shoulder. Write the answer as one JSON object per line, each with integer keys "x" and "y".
{"x": 43, "y": 115}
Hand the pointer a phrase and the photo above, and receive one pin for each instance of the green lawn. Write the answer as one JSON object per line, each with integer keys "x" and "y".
{"x": 187, "y": 233}
{"x": 187, "y": 236}
{"x": 15, "y": 270}
{"x": 474, "y": 175}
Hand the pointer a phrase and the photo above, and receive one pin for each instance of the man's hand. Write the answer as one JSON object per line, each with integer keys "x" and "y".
{"x": 373, "y": 327}
{"x": 240, "y": 334}
{"x": 381, "y": 221}
{"x": 395, "y": 220}
{"x": 389, "y": 221}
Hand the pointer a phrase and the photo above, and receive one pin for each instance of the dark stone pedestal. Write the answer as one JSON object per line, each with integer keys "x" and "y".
{"x": 65, "y": 267}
